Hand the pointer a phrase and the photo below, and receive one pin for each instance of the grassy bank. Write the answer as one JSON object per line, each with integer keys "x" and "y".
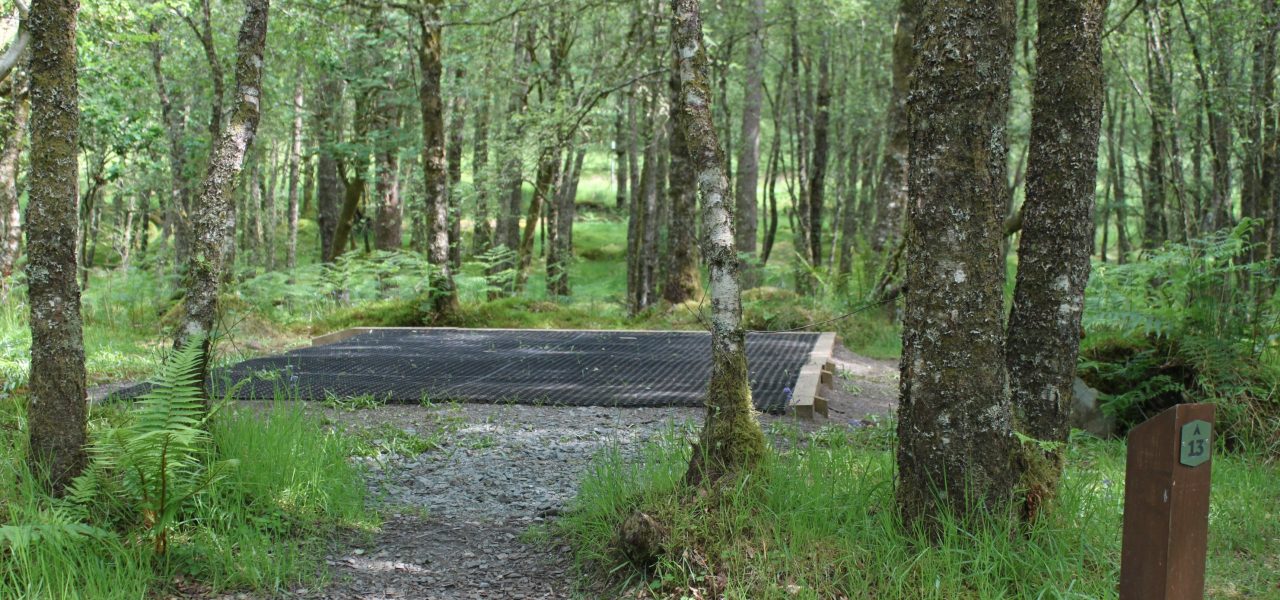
{"x": 820, "y": 522}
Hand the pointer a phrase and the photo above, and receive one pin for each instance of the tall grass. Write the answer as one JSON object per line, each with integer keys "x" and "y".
{"x": 260, "y": 527}
{"x": 820, "y": 521}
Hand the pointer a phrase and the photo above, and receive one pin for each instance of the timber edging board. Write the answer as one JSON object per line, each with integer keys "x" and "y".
{"x": 806, "y": 400}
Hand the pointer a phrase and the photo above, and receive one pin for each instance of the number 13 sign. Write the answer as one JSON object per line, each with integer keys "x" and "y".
{"x": 1195, "y": 443}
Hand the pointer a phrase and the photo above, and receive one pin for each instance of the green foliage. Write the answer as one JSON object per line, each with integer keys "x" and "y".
{"x": 1192, "y": 323}
{"x": 352, "y": 403}
{"x": 500, "y": 269}
{"x": 161, "y": 458}
{"x": 262, "y": 525}
{"x": 819, "y": 522}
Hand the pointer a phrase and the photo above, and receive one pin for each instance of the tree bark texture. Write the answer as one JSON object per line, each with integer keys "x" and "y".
{"x": 891, "y": 193}
{"x": 211, "y": 226}
{"x": 682, "y": 277}
{"x": 56, "y": 405}
{"x": 745, "y": 214}
{"x": 453, "y": 159}
{"x": 444, "y": 299}
{"x": 1057, "y": 226}
{"x": 731, "y": 441}
{"x": 13, "y": 130}
{"x": 482, "y": 230}
{"x": 955, "y": 439}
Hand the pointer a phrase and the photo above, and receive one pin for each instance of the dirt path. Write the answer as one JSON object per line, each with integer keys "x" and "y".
{"x": 470, "y": 520}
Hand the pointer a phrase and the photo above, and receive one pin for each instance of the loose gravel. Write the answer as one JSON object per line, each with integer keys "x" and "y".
{"x": 469, "y": 520}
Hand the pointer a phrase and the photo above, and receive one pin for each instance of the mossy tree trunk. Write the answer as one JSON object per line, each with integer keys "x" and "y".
{"x": 956, "y": 449}
{"x": 1057, "y": 230}
{"x": 56, "y": 413}
{"x": 681, "y": 274}
{"x": 731, "y": 441}
{"x": 211, "y": 226}
{"x": 444, "y": 301}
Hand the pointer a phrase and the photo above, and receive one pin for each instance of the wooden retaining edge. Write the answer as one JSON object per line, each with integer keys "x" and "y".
{"x": 806, "y": 399}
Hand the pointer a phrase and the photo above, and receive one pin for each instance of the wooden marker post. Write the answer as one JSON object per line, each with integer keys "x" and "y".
{"x": 1166, "y": 505}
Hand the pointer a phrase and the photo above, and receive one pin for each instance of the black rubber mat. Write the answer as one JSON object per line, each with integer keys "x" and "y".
{"x": 578, "y": 368}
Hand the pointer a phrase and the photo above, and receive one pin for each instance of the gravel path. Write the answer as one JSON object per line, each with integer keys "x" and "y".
{"x": 468, "y": 521}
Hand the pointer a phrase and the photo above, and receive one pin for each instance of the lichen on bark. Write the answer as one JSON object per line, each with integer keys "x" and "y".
{"x": 56, "y": 404}
{"x": 956, "y": 449}
{"x": 1057, "y": 234}
{"x": 211, "y": 227}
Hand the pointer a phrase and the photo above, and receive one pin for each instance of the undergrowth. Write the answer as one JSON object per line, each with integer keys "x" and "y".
{"x": 1190, "y": 323}
{"x": 819, "y": 522}
{"x": 175, "y": 502}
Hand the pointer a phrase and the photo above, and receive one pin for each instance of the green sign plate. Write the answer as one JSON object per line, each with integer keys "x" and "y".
{"x": 1196, "y": 443}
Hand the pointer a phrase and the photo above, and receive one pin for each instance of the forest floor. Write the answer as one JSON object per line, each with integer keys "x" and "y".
{"x": 472, "y": 518}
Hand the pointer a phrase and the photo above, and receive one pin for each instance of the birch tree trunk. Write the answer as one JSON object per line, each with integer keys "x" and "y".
{"x": 1057, "y": 230}
{"x": 731, "y": 441}
{"x": 955, "y": 439}
{"x": 211, "y": 238}
{"x": 56, "y": 406}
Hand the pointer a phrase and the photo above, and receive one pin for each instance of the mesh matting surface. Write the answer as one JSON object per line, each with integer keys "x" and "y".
{"x": 577, "y": 368}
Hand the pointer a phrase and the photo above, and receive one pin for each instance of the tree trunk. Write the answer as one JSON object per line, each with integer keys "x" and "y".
{"x": 329, "y": 189}
{"x": 444, "y": 299}
{"x": 749, "y": 145}
{"x": 622, "y": 174}
{"x": 1115, "y": 162}
{"x": 482, "y": 230}
{"x": 56, "y": 405}
{"x": 204, "y": 34}
{"x": 818, "y": 177}
{"x": 561, "y": 244}
{"x": 508, "y": 233}
{"x": 1057, "y": 231}
{"x": 955, "y": 440}
{"x": 295, "y": 155}
{"x": 891, "y": 193}
{"x": 731, "y": 441}
{"x": 682, "y": 275}
{"x": 211, "y": 238}
{"x": 453, "y": 160}
{"x": 179, "y": 191}
{"x": 13, "y": 130}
